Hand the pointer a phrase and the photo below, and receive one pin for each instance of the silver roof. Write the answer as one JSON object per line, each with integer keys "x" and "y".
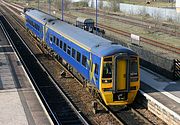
{"x": 39, "y": 16}
{"x": 85, "y": 20}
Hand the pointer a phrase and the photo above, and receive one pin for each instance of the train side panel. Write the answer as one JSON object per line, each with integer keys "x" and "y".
{"x": 65, "y": 51}
{"x": 34, "y": 26}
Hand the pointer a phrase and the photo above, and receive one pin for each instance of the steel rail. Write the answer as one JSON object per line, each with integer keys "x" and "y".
{"x": 49, "y": 76}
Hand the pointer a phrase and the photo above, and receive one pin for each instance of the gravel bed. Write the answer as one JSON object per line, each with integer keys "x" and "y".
{"x": 79, "y": 95}
{"x": 139, "y": 106}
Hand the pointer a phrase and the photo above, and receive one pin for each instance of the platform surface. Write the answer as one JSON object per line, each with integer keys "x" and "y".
{"x": 165, "y": 91}
{"x": 19, "y": 103}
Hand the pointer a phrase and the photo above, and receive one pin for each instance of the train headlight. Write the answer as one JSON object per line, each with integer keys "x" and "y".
{"x": 106, "y": 81}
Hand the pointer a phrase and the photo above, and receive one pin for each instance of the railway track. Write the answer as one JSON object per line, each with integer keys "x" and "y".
{"x": 145, "y": 40}
{"x": 132, "y": 21}
{"x": 135, "y": 118}
{"x": 142, "y": 39}
{"x": 59, "y": 107}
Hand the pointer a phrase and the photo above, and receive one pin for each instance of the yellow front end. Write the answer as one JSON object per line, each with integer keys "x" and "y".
{"x": 119, "y": 79}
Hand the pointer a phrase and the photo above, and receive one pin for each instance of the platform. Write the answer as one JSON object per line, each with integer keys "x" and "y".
{"x": 19, "y": 102}
{"x": 163, "y": 96}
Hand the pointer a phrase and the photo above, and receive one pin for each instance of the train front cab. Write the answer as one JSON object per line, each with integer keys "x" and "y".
{"x": 120, "y": 79}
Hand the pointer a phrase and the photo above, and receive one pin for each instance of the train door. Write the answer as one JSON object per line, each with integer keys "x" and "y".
{"x": 121, "y": 74}
{"x": 44, "y": 32}
{"x": 121, "y": 78}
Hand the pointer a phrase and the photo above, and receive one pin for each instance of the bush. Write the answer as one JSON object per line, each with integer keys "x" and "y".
{"x": 80, "y": 4}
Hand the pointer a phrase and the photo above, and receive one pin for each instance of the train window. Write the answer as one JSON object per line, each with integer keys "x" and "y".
{"x": 41, "y": 29}
{"x": 54, "y": 38}
{"x": 64, "y": 48}
{"x": 35, "y": 26}
{"x": 51, "y": 38}
{"x": 133, "y": 68}
{"x": 57, "y": 41}
{"x": 78, "y": 58}
{"x": 73, "y": 53}
{"x": 84, "y": 60}
{"x": 107, "y": 70}
{"x": 69, "y": 50}
{"x": 38, "y": 28}
{"x": 96, "y": 68}
{"x": 108, "y": 59}
{"x": 60, "y": 45}
{"x": 32, "y": 23}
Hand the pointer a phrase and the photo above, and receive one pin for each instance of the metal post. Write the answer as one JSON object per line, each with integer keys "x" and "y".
{"x": 62, "y": 10}
{"x": 96, "y": 16}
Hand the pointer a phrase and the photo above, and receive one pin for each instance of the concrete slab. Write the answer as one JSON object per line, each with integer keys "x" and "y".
{"x": 163, "y": 96}
{"x": 165, "y": 86}
{"x": 11, "y": 109}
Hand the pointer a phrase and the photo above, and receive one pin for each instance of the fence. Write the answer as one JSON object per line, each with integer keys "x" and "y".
{"x": 176, "y": 69}
{"x": 156, "y": 13}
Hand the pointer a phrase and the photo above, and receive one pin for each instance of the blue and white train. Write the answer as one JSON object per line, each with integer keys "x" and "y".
{"x": 113, "y": 70}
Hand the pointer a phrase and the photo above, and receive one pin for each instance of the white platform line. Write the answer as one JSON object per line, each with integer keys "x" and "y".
{"x": 5, "y": 46}
{"x": 4, "y": 53}
{"x": 171, "y": 96}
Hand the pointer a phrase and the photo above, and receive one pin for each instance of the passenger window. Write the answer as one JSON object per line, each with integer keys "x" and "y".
{"x": 84, "y": 60}
{"x": 69, "y": 50}
{"x": 96, "y": 68}
{"x": 133, "y": 68}
{"x": 51, "y": 38}
{"x": 57, "y": 41}
{"x": 78, "y": 58}
{"x": 60, "y": 45}
{"x": 64, "y": 48}
{"x": 54, "y": 38}
{"x": 73, "y": 53}
{"x": 38, "y": 28}
{"x": 41, "y": 29}
{"x": 107, "y": 70}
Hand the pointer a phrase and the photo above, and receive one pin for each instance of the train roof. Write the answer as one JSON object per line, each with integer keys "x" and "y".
{"x": 85, "y": 20}
{"x": 96, "y": 44}
{"x": 39, "y": 16}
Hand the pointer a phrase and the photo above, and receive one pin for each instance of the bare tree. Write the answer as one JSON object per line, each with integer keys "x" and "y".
{"x": 92, "y": 3}
{"x": 66, "y": 4}
{"x": 87, "y": 1}
{"x": 114, "y": 4}
{"x": 100, "y": 4}
{"x": 157, "y": 17}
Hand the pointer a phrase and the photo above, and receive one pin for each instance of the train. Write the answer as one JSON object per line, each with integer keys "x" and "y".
{"x": 109, "y": 69}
